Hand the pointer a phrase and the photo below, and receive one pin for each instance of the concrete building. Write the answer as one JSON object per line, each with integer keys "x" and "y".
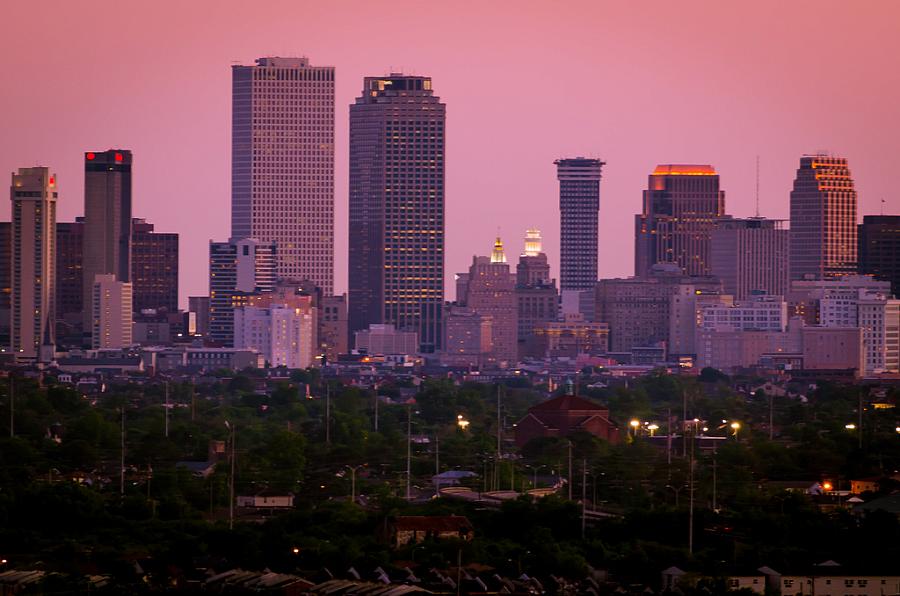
{"x": 154, "y": 268}
{"x": 491, "y": 291}
{"x": 879, "y": 320}
{"x": 386, "y": 340}
{"x": 805, "y": 297}
{"x": 759, "y": 313}
{"x": 572, "y": 337}
{"x": 237, "y": 268}
{"x": 681, "y": 205}
{"x": 284, "y": 334}
{"x": 686, "y": 314}
{"x": 198, "y": 315}
{"x": 334, "y": 333}
{"x": 750, "y": 255}
{"x": 107, "y": 221}
{"x": 638, "y": 310}
{"x": 579, "y": 207}
{"x": 823, "y": 219}
{"x": 469, "y": 338}
{"x": 6, "y": 283}
{"x": 879, "y": 245}
{"x": 536, "y": 294}
{"x": 396, "y": 254}
{"x": 282, "y": 163}
{"x": 33, "y": 194}
{"x": 111, "y": 308}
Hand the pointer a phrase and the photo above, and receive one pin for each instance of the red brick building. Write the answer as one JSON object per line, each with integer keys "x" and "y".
{"x": 563, "y": 416}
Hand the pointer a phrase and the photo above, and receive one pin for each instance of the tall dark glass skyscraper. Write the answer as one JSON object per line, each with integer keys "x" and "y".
{"x": 823, "y": 219}
{"x": 396, "y": 269}
{"x": 579, "y": 207}
{"x": 879, "y": 248}
{"x": 681, "y": 206}
{"x": 107, "y": 221}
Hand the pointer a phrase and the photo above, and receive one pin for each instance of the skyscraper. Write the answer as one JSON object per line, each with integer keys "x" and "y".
{"x": 579, "y": 207}
{"x": 107, "y": 221}
{"x": 154, "y": 268}
{"x": 879, "y": 248}
{"x": 236, "y": 268}
{"x": 112, "y": 313}
{"x": 70, "y": 283}
{"x": 282, "y": 163}
{"x": 396, "y": 268}
{"x": 681, "y": 205}
{"x": 536, "y": 295}
{"x": 750, "y": 255}
{"x": 823, "y": 219}
{"x": 33, "y": 295}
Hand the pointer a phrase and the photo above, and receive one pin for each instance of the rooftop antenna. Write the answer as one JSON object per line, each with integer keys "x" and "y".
{"x": 757, "y": 186}
{"x": 882, "y": 206}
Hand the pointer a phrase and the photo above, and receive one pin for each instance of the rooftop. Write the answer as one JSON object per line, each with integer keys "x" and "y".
{"x": 684, "y": 170}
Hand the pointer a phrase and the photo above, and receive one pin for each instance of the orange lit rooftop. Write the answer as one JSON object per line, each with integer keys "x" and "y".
{"x": 684, "y": 170}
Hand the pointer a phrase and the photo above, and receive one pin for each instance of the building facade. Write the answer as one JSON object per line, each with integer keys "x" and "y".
{"x": 681, "y": 206}
{"x": 750, "y": 256}
{"x": 282, "y": 163}
{"x": 284, "y": 335}
{"x": 536, "y": 295}
{"x": 579, "y": 208}
{"x": 823, "y": 219}
{"x": 112, "y": 313}
{"x": 154, "y": 268}
{"x": 107, "y": 220}
{"x": 879, "y": 247}
{"x": 396, "y": 252}
{"x": 237, "y": 268}
{"x": 469, "y": 338}
{"x": 385, "y": 339}
{"x": 70, "y": 283}
{"x": 33, "y": 271}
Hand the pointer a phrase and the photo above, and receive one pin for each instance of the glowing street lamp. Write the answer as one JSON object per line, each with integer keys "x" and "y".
{"x": 653, "y": 428}
{"x": 461, "y": 422}
{"x": 850, "y": 426}
{"x": 735, "y": 426}
{"x": 635, "y": 424}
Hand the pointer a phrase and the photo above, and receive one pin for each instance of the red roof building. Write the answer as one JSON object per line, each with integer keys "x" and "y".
{"x": 563, "y": 416}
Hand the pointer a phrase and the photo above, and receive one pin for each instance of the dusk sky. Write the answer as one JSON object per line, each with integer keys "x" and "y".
{"x": 633, "y": 83}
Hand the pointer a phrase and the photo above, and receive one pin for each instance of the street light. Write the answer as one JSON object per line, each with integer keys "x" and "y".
{"x": 850, "y": 426}
{"x": 735, "y": 426}
{"x": 635, "y": 424}
{"x": 461, "y": 422}
{"x": 231, "y": 427}
{"x": 653, "y": 428}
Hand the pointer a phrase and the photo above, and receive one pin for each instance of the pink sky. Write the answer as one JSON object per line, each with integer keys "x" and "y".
{"x": 634, "y": 83}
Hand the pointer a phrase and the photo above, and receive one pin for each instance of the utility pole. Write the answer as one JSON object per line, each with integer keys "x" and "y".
{"x": 691, "y": 507}
{"x": 583, "y": 495}
{"x": 860, "y": 427}
{"x": 122, "y": 456}
{"x": 771, "y": 416}
{"x": 167, "y": 409}
{"x": 499, "y": 426}
{"x": 715, "y": 479}
{"x": 437, "y": 454}
{"x": 570, "y": 470}
{"x": 683, "y": 423}
{"x": 408, "y": 450}
{"x": 12, "y": 406}
{"x": 669, "y": 441}
{"x": 375, "y": 391}
{"x": 327, "y": 413}
{"x": 231, "y": 427}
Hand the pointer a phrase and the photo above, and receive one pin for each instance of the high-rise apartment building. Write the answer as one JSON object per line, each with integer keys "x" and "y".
{"x": 154, "y": 268}
{"x": 282, "y": 163}
{"x": 396, "y": 264}
{"x": 237, "y": 268}
{"x": 823, "y": 219}
{"x": 750, "y": 256}
{"x": 579, "y": 208}
{"x": 681, "y": 206}
{"x": 6, "y": 283}
{"x": 107, "y": 220}
{"x": 281, "y": 326}
{"x": 111, "y": 311}
{"x": 33, "y": 272}
{"x": 879, "y": 248}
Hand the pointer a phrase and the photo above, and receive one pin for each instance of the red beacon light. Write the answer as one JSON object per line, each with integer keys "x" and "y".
{"x": 119, "y": 157}
{"x": 90, "y": 156}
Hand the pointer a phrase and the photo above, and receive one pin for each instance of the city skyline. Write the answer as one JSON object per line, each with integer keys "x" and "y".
{"x": 491, "y": 172}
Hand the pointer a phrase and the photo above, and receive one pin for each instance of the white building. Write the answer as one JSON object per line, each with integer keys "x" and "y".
{"x": 386, "y": 339}
{"x": 758, "y": 313}
{"x": 111, "y": 318}
{"x": 284, "y": 336}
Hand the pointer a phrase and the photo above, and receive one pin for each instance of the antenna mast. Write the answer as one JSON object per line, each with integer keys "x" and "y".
{"x": 757, "y": 186}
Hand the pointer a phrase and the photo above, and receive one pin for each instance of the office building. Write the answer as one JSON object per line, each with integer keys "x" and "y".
{"x": 154, "y": 268}
{"x": 70, "y": 283}
{"x": 33, "y": 272}
{"x": 198, "y": 315}
{"x": 468, "y": 339}
{"x": 491, "y": 292}
{"x": 396, "y": 253}
{"x": 333, "y": 332}
{"x": 282, "y": 163}
{"x": 750, "y": 256}
{"x": 237, "y": 268}
{"x": 572, "y": 337}
{"x": 385, "y": 339}
{"x": 681, "y": 206}
{"x": 759, "y": 313}
{"x": 879, "y": 248}
{"x": 823, "y": 219}
{"x": 6, "y": 283}
{"x": 831, "y": 301}
{"x": 536, "y": 295}
{"x": 107, "y": 221}
{"x": 280, "y": 327}
{"x": 111, "y": 309}
{"x": 638, "y": 310}
{"x": 579, "y": 207}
